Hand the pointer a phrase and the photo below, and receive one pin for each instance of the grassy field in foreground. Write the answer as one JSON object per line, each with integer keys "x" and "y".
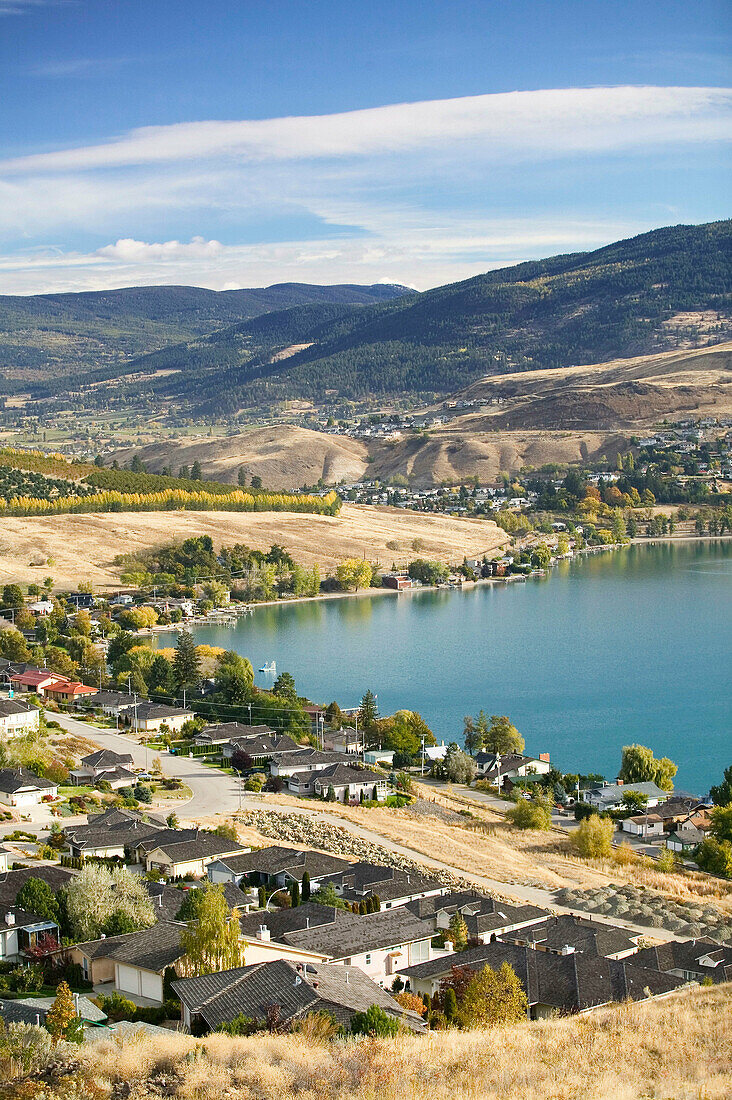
{"x": 678, "y": 1048}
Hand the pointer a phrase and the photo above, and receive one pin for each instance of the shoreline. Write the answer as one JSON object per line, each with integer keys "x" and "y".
{"x": 380, "y": 591}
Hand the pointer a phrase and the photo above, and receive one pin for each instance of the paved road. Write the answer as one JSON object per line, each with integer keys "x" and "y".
{"x": 215, "y": 792}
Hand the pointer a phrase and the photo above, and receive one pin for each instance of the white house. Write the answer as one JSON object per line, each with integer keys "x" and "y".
{"x": 644, "y": 825}
{"x": 150, "y": 717}
{"x": 17, "y": 717}
{"x": 23, "y": 789}
{"x": 20, "y": 930}
{"x": 610, "y": 795}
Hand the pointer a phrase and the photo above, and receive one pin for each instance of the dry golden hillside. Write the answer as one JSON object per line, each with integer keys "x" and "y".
{"x": 83, "y": 547}
{"x": 679, "y": 1048}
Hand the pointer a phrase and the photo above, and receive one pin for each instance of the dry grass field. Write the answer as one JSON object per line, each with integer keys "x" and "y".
{"x": 679, "y": 1048}
{"x": 83, "y": 547}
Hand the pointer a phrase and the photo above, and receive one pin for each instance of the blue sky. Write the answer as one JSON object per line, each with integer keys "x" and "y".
{"x": 232, "y": 143}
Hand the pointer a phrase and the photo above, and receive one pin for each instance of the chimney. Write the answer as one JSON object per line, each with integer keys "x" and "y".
{"x": 10, "y": 919}
{"x": 544, "y": 756}
{"x": 307, "y": 922}
{"x": 620, "y": 782}
{"x": 263, "y": 934}
{"x": 449, "y": 946}
{"x": 567, "y": 950}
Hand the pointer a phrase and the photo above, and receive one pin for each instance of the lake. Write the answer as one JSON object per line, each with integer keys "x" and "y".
{"x": 609, "y": 649}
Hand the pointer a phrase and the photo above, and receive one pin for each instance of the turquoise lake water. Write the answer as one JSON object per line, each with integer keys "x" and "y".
{"x": 607, "y": 650}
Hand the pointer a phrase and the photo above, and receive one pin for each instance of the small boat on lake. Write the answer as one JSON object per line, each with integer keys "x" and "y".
{"x": 269, "y": 668}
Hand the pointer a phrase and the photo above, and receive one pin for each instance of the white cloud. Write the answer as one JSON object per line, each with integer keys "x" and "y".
{"x": 538, "y": 122}
{"x": 128, "y": 250}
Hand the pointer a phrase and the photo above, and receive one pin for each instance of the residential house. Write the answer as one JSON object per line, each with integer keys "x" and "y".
{"x": 692, "y": 960}
{"x": 259, "y": 747}
{"x": 141, "y": 959}
{"x": 581, "y": 934}
{"x": 33, "y": 1010}
{"x": 178, "y": 858}
{"x": 21, "y": 788}
{"x": 348, "y": 783}
{"x": 11, "y": 881}
{"x": 116, "y": 832}
{"x": 495, "y": 765}
{"x": 277, "y": 867}
{"x": 33, "y": 680}
{"x": 392, "y": 886}
{"x": 610, "y": 795}
{"x": 346, "y": 740}
{"x": 285, "y": 764}
{"x": 554, "y": 981}
{"x": 94, "y": 957}
{"x": 644, "y": 825}
{"x": 111, "y": 703}
{"x": 486, "y": 918}
{"x": 20, "y": 930}
{"x": 41, "y": 607}
{"x": 151, "y": 717}
{"x": 398, "y": 581}
{"x": 676, "y": 810}
{"x": 379, "y": 944}
{"x": 114, "y": 767}
{"x": 690, "y": 832}
{"x": 291, "y": 990}
{"x": 4, "y": 856}
{"x": 68, "y": 692}
{"x": 220, "y": 733}
{"x": 379, "y": 756}
{"x": 17, "y": 717}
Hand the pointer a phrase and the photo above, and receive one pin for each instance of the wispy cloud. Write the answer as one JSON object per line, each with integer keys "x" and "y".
{"x": 25, "y": 7}
{"x": 80, "y": 67}
{"x": 538, "y": 123}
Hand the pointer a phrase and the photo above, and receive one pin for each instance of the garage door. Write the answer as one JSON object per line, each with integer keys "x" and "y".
{"x": 152, "y": 986}
{"x": 26, "y": 799}
{"x": 128, "y": 980}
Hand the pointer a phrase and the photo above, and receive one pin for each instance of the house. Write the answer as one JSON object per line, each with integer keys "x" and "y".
{"x": 111, "y": 703}
{"x": 11, "y": 881}
{"x": 35, "y": 680}
{"x": 495, "y": 765}
{"x": 17, "y": 717}
{"x": 486, "y": 918}
{"x": 285, "y": 764}
{"x": 220, "y": 733}
{"x": 41, "y": 607}
{"x": 690, "y": 832}
{"x": 379, "y": 756}
{"x": 379, "y": 944}
{"x": 33, "y": 1010}
{"x": 115, "y": 768}
{"x": 22, "y": 788}
{"x": 276, "y": 867}
{"x": 644, "y": 825}
{"x": 151, "y": 717}
{"x": 692, "y": 960}
{"x": 68, "y": 691}
{"x": 94, "y": 957}
{"x": 291, "y": 990}
{"x": 348, "y": 783}
{"x": 583, "y": 935}
{"x": 610, "y": 795}
{"x": 116, "y": 832}
{"x": 177, "y": 858}
{"x": 259, "y": 747}
{"x": 391, "y": 885}
{"x": 555, "y": 981}
{"x": 346, "y": 740}
{"x": 316, "y": 716}
{"x": 20, "y": 930}
{"x": 4, "y": 855}
{"x": 398, "y": 581}
{"x": 140, "y": 960}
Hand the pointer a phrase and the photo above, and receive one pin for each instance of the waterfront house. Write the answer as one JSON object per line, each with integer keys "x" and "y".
{"x": 644, "y": 825}
{"x": 17, "y": 717}
{"x": 288, "y": 989}
{"x": 492, "y": 765}
{"x": 610, "y": 795}
{"x": 23, "y": 789}
{"x": 346, "y": 740}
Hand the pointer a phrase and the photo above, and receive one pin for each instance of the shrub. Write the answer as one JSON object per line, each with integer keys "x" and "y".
{"x": 375, "y": 1021}
{"x": 583, "y": 810}
{"x": 624, "y": 855}
{"x": 529, "y": 815}
{"x": 143, "y": 793}
{"x": 593, "y": 837}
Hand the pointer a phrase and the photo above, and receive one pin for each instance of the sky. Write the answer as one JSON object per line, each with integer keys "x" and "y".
{"x": 229, "y": 143}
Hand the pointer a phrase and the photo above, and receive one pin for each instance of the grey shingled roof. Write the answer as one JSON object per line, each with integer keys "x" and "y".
{"x": 309, "y": 915}
{"x": 272, "y": 860}
{"x": 15, "y": 779}
{"x": 106, "y": 758}
{"x": 366, "y": 879}
{"x": 11, "y": 881}
{"x": 15, "y": 706}
{"x": 146, "y": 711}
{"x": 352, "y": 934}
{"x": 295, "y": 989}
{"x": 686, "y": 955}
{"x": 200, "y": 847}
{"x": 153, "y": 949}
{"x": 586, "y": 936}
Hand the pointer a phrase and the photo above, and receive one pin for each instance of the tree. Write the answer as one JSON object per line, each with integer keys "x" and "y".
{"x": 375, "y": 1022}
{"x": 172, "y": 820}
{"x": 13, "y": 596}
{"x": 186, "y": 663}
{"x": 722, "y": 794}
{"x": 62, "y": 1021}
{"x": 211, "y": 942}
{"x": 714, "y": 857}
{"x": 635, "y": 801}
{"x": 638, "y": 765}
{"x": 284, "y": 686}
{"x": 527, "y": 814}
{"x": 305, "y": 889}
{"x": 402, "y": 733}
{"x": 326, "y": 895}
{"x": 593, "y": 837}
{"x": 368, "y": 712}
{"x": 196, "y": 471}
{"x": 161, "y": 680}
{"x": 13, "y": 646}
{"x": 722, "y": 823}
{"x": 459, "y": 767}
{"x": 428, "y": 572}
{"x": 502, "y": 736}
{"x": 449, "y": 1004}
{"x": 354, "y": 573}
{"x": 458, "y": 931}
{"x": 493, "y": 997}
{"x": 541, "y": 556}
{"x": 411, "y": 1001}
{"x": 294, "y": 893}
{"x": 36, "y": 896}
{"x": 234, "y": 678}
{"x": 96, "y": 893}
{"x": 472, "y": 736}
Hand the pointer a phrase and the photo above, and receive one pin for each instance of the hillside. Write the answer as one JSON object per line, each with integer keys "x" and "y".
{"x": 60, "y": 334}
{"x": 677, "y": 1048}
{"x": 659, "y": 291}
{"x": 74, "y": 547}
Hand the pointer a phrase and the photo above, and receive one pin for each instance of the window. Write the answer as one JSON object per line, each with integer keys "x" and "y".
{"x": 368, "y": 959}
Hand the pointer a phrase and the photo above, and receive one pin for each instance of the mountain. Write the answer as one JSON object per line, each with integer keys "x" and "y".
{"x": 56, "y": 334}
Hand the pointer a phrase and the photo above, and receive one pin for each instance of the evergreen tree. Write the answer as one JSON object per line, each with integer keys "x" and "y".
{"x": 305, "y": 889}
{"x": 368, "y": 712}
{"x": 295, "y": 894}
{"x": 186, "y": 663}
{"x": 449, "y": 1006}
